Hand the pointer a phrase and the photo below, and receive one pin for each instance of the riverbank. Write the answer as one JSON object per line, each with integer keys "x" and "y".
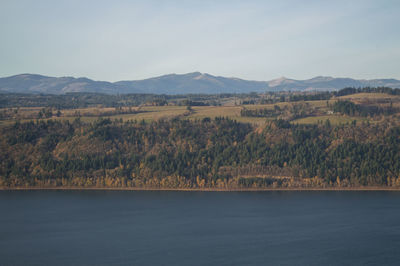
{"x": 205, "y": 189}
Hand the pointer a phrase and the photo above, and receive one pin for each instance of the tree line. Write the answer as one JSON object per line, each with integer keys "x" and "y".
{"x": 207, "y": 153}
{"x": 352, "y": 109}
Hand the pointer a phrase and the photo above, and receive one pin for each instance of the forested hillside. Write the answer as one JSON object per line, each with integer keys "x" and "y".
{"x": 201, "y": 153}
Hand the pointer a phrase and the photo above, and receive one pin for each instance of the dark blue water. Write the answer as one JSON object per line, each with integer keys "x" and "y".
{"x": 199, "y": 228}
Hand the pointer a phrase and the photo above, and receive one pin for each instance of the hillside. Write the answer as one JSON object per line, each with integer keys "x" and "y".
{"x": 195, "y": 83}
{"x": 209, "y": 153}
{"x": 337, "y": 140}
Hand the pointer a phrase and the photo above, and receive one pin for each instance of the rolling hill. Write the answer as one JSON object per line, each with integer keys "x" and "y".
{"x": 195, "y": 82}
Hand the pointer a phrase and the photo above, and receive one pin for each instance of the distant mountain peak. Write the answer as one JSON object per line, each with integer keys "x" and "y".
{"x": 322, "y": 77}
{"x": 280, "y": 81}
{"x": 194, "y": 82}
{"x": 202, "y": 76}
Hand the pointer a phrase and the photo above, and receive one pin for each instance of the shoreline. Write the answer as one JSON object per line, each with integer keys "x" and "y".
{"x": 201, "y": 189}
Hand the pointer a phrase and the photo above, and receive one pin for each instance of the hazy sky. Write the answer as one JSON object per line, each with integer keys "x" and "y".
{"x": 260, "y": 40}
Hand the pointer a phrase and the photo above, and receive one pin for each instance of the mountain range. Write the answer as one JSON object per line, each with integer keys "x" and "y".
{"x": 194, "y": 83}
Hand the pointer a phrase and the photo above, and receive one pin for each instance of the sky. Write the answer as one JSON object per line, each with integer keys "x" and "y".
{"x": 256, "y": 40}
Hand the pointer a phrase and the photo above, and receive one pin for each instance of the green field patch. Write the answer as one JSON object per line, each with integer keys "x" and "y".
{"x": 333, "y": 119}
{"x": 369, "y": 96}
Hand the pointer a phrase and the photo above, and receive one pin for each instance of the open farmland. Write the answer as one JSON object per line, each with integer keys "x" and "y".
{"x": 236, "y": 108}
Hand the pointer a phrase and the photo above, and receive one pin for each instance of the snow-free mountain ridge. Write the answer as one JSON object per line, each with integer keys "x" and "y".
{"x": 194, "y": 83}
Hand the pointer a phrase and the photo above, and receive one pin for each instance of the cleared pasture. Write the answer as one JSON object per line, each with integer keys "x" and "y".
{"x": 333, "y": 119}
{"x": 365, "y": 95}
{"x": 319, "y": 111}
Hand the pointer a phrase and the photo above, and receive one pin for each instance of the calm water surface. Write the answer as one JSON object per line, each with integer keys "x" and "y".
{"x": 199, "y": 228}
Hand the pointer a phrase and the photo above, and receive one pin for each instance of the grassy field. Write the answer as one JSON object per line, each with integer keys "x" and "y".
{"x": 376, "y": 99}
{"x": 215, "y": 111}
{"x": 320, "y": 111}
{"x": 369, "y": 96}
{"x": 233, "y": 112}
{"x": 333, "y": 119}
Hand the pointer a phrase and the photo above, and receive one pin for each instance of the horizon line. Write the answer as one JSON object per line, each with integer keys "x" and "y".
{"x": 194, "y": 72}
